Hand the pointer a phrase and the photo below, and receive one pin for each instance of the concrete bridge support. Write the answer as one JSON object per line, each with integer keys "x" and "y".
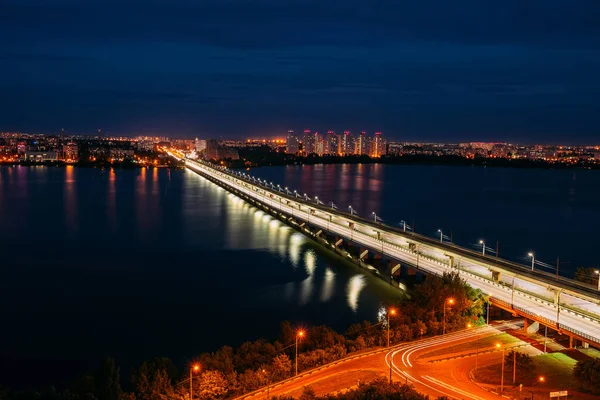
{"x": 496, "y": 276}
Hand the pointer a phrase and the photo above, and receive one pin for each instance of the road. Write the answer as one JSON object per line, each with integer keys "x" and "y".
{"x": 424, "y": 257}
{"x": 450, "y": 378}
{"x": 447, "y": 378}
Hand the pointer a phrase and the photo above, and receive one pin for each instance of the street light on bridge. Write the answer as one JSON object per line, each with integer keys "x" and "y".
{"x": 376, "y": 218}
{"x": 597, "y": 272}
{"x": 352, "y": 211}
{"x": 532, "y": 259}
{"x": 441, "y": 235}
{"x": 482, "y": 243}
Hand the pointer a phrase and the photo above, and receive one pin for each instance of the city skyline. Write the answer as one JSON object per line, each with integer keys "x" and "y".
{"x": 420, "y": 71}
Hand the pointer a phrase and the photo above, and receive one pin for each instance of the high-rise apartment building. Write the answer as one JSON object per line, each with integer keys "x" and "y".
{"x": 347, "y": 143}
{"x": 362, "y": 144}
{"x": 333, "y": 143}
{"x": 319, "y": 144}
{"x": 292, "y": 144}
{"x": 378, "y": 145}
{"x": 308, "y": 142}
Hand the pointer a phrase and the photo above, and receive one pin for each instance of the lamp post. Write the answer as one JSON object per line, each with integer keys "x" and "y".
{"x": 351, "y": 210}
{"x": 391, "y": 311}
{"x": 532, "y": 259}
{"x": 374, "y": 216}
{"x": 545, "y": 337}
{"x": 441, "y": 235}
{"x": 597, "y": 272}
{"x": 469, "y": 325}
{"x": 482, "y": 243}
{"x": 498, "y": 346}
{"x": 195, "y": 368}
{"x": 487, "y": 314}
{"x": 449, "y": 301}
{"x": 299, "y": 335}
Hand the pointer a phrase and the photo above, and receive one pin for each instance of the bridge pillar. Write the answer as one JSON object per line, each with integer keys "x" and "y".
{"x": 556, "y": 296}
{"x": 496, "y": 276}
{"x": 525, "y": 325}
{"x": 571, "y": 339}
{"x": 363, "y": 254}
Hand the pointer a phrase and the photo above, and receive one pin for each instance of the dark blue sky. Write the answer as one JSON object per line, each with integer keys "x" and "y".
{"x": 427, "y": 70}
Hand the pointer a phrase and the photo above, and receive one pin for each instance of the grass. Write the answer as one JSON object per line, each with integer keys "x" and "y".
{"x": 556, "y": 368}
{"x": 481, "y": 344}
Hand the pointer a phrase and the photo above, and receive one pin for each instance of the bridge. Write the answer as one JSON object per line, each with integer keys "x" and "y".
{"x": 571, "y": 308}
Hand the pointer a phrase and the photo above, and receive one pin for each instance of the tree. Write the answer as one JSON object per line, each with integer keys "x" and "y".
{"x": 587, "y": 275}
{"x": 152, "y": 381}
{"x": 587, "y": 375}
{"x": 107, "y": 381}
{"x": 211, "y": 385}
{"x": 308, "y": 393}
{"x": 525, "y": 365}
{"x": 281, "y": 367}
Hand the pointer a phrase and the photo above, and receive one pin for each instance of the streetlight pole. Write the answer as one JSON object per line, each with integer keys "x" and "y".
{"x": 391, "y": 311}
{"x": 441, "y": 236}
{"x": 532, "y": 259}
{"x": 299, "y": 335}
{"x": 449, "y": 301}
{"x": 487, "y": 314}
{"x": 545, "y": 337}
{"x": 482, "y": 243}
{"x": 194, "y": 368}
{"x": 597, "y": 272}
{"x": 502, "y": 377}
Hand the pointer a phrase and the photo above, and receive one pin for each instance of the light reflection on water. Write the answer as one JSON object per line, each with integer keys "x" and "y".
{"x": 263, "y": 231}
{"x": 145, "y": 249}
{"x": 353, "y": 289}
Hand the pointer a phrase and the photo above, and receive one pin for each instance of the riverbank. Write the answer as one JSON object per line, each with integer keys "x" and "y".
{"x": 258, "y": 158}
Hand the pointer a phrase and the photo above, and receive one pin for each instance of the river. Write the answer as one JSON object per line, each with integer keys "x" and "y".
{"x": 159, "y": 262}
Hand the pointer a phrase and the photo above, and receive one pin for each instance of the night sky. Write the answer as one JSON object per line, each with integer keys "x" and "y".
{"x": 510, "y": 70}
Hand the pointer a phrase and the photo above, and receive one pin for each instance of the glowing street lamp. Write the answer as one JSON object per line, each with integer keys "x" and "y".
{"x": 195, "y": 368}
{"x": 299, "y": 335}
{"x": 532, "y": 259}
{"x": 352, "y": 211}
{"x": 390, "y": 312}
{"x": 597, "y": 272}
{"x": 499, "y": 346}
{"x": 482, "y": 243}
{"x": 449, "y": 301}
{"x": 441, "y": 235}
